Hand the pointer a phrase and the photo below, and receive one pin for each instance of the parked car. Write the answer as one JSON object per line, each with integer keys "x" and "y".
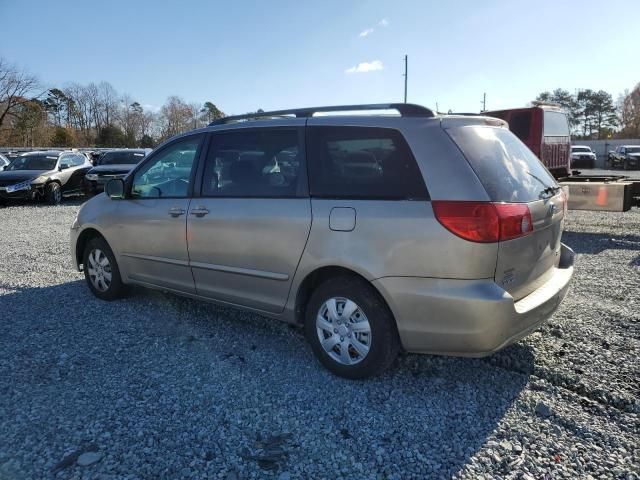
{"x": 625, "y": 156}
{"x": 582, "y": 157}
{"x": 112, "y": 164}
{"x": 44, "y": 175}
{"x": 545, "y": 130}
{"x": 4, "y": 161}
{"x": 428, "y": 233}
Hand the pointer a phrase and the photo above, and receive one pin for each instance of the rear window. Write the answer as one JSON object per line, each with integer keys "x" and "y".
{"x": 509, "y": 171}
{"x": 555, "y": 124}
{"x": 362, "y": 163}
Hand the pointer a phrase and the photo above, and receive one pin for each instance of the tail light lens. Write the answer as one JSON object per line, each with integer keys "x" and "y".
{"x": 484, "y": 222}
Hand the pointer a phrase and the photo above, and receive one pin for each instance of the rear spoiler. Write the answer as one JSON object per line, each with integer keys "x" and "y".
{"x": 461, "y": 120}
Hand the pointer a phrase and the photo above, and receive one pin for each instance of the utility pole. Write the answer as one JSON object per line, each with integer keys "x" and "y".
{"x": 484, "y": 102}
{"x": 406, "y": 73}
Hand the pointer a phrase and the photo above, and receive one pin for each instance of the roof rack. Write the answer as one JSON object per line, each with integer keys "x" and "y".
{"x": 405, "y": 110}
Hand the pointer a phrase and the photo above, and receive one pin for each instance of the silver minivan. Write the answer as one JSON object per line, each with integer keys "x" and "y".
{"x": 427, "y": 233}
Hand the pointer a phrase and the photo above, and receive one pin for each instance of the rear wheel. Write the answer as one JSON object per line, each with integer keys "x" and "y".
{"x": 350, "y": 328}
{"x": 101, "y": 270}
{"x": 53, "y": 193}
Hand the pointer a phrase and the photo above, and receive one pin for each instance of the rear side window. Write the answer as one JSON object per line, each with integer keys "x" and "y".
{"x": 253, "y": 163}
{"x": 555, "y": 124}
{"x": 508, "y": 170}
{"x": 362, "y": 163}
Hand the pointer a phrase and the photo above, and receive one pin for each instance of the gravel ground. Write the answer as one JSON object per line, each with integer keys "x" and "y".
{"x": 156, "y": 386}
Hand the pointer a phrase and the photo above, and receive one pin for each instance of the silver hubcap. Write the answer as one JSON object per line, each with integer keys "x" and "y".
{"x": 343, "y": 330}
{"x": 99, "y": 270}
{"x": 57, "y": 195}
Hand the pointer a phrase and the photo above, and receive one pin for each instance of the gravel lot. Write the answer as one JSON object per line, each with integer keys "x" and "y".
{"x": 156, "y": 386}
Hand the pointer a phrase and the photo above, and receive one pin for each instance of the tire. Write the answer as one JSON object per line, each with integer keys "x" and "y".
{"x": 53, "y": 193}
{"x": 625, "y": 165}
{"x": 97, "y": 272}
{"x": 382, "y": 337}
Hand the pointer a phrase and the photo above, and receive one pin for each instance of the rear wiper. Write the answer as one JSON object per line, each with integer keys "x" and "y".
{"x": 548, "y": 189}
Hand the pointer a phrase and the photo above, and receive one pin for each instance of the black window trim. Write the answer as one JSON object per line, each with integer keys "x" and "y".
{"x": 149, "y": 158}
{"x": 302, "y": 189}
{"x": 426, "y": 197}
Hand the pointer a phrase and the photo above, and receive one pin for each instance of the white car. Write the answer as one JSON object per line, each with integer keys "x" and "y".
{"x": 582, "y": 157}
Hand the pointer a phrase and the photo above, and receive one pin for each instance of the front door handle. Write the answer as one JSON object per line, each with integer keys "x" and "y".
{"x": 176, "y": 211}
{"x": 199, "y": 211}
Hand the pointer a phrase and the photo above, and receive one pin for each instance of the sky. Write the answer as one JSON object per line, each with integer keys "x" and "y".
{"x": 243, "y": 55}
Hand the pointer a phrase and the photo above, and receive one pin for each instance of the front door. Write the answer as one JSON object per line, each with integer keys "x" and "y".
{"x": 76, "y": 167}
{"x": 250, "y": 224}
{"x": 152, "y": 229}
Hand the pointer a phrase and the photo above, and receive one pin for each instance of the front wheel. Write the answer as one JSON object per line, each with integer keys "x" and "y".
{"x": 53, "y": 193}
{"x": 350, "y": 328}
{"x": 101, "y": 270}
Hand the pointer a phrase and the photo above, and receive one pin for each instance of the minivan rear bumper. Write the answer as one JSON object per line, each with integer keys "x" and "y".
{"x": 470, "y": 317}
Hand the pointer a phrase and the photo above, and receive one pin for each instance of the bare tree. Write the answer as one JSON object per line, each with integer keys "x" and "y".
{"x": 109, "y": 102}
{"x": 17, "y": 87}
{"x": 629, "y": 112}
{"x": 176, "y": 117}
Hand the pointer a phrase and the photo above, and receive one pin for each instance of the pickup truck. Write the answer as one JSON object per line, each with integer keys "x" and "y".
{"x": 582, "y": 156}
{"x": 625, "y": 156}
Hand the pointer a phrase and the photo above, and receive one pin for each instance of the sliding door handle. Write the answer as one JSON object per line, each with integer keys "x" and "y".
{"x": 199, "y": 211}
{"x": 176, "y": 211}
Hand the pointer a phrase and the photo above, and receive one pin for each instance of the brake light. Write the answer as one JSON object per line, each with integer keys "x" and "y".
{"x": 484, "y": 222}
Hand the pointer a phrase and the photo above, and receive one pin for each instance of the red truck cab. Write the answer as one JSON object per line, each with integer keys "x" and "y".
{"x": 545, "y": 130}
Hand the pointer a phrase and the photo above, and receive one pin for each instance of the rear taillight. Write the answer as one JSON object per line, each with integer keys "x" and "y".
{"x": 484, "y": 222}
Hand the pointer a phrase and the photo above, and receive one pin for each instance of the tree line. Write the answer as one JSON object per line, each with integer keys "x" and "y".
{"x": 98, "y": 115}
{"x": 95, "y": 114}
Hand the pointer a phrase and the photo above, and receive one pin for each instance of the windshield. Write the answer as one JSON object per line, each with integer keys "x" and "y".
{"x": 633, "y": 149}
{"x": 114, "y": 158}
{"x": 33, "y": 162}
{"x": 580, "y": 149}
{"x": 508, "y": 170}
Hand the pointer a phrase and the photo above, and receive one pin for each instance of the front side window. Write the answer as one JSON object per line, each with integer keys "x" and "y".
{"x": 253, "y": 163}
{"x": 362, "y": 163}
{"x": 72, "y": 160}
{"x": 168, "y": 174}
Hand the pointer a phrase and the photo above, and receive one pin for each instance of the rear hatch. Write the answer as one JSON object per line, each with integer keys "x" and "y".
{"x": 512, "y": 174}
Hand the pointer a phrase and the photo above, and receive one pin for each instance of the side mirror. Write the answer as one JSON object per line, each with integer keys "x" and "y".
{"x": 115, "y": 189}
{"x": 63, "y": 166}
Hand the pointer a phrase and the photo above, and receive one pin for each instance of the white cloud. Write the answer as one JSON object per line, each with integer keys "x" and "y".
{"x": 366, "y": 32}
{"x": 365, "y": 67}
{"x": 383, "y": 23}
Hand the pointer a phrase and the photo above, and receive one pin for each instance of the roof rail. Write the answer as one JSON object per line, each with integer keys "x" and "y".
{"x": 405, "y": 110}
